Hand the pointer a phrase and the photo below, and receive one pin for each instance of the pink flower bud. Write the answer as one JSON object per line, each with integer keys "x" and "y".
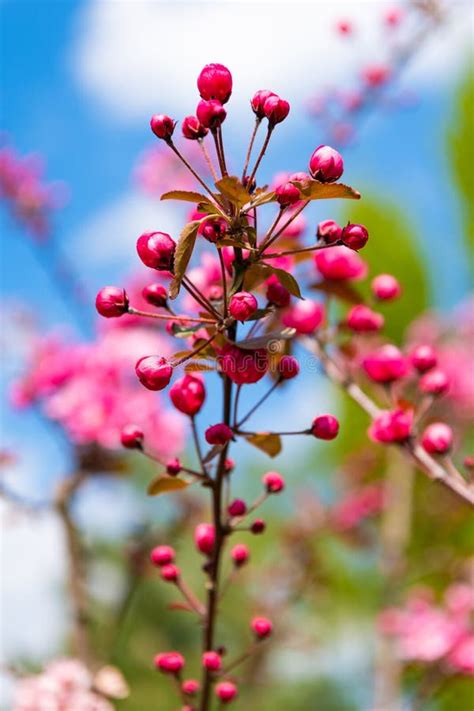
{"x": 237, "y": 508}
{"x": 258, "y": 526}
{"x": 226, "y": 691}
{"x": 355, "y": 236}
{"x": 188, "y": 394}
{"x": 393, "y": 16}
{"x": 162, "y": 555}
{"x": 423, "y": 358}
{"x": 386, "y": 364}
{"x": 155, "y": 294}
{"x": 240, "y": 554}
{"x": 361, "y": 319}
{"x": 212, "y": 661}
{"x": 329, "y": 231}
{"x": 288, "y": 367}
{"x": 229, "y": 465}
{"x": 156, "y": 250}
{"x": 344, "y": 27}
{"x": 173, "y": 467}
{"x": 375, "y": 75}
{"x": 434, "y": 382}
{"x": 273, "y": 482}
{"x": 190, "y": 687}
{"x": 131, "y": 437}
{"x": 211, "y": 113}
{"x": 243, "y": 366}
{"x": 325, "y": 427}
{"x": 213, "y": 229}
{"x": 258, "y": 102}
{"x": 169, "y": 662}
{"x": 275, "y": 109}
{"x": 437, "y": 438}
{"x": 162, "y": 126}
{"x": 215, "y": 82}
{"x": 170, "y": 573}
{"x": 305, "y": 316}
{"x": 276, "y": 292}
{"x": 339, "y": 263}
{"x": 111, "y": 301}
{"x": 391, "y": 426}
{"x": 326, "y": 164}
{"x": 218, "y": 434}
{"x": 204, "y": 538}
{"x": 262, "y": 627}
{"x": 385, "y": 287}
{"x": 287, "y": 194}
{"x": 154, "y": 372}
{"x": 243, "y": 305}
{"x": 193, "y": 129}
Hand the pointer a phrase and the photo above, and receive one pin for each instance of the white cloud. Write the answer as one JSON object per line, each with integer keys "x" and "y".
{"x": 33, "y": 573}
{"x": 137, "y": 57}
{"x": 108, "y": 238}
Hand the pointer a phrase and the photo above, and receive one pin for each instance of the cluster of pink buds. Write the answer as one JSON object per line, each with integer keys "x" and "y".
{"x": 240, "y": 312}
{"x": 401, "y": 31}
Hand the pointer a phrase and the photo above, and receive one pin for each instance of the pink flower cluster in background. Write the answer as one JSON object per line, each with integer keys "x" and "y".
{"x": 64, "y": 685}
{"x": 399, "y": 32}
{"x": 90, "y": 388}
{"x": 426, "y": 632}
{"x": 30, "y": 200}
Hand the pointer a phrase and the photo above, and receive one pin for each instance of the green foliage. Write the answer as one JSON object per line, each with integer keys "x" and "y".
{"x": 461, "y": 152}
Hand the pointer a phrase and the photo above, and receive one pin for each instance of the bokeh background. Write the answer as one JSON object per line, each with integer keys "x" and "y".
{"x": 79, "y": 81}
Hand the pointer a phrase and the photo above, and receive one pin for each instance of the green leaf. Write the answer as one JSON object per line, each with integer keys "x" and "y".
{"x": 267, "y": 442}
{"x": 232, "y": 188}
{"x": 461, "y": 152}
{"x": 262, "y": 199}
{"x": 184, "y": 250}
{"x": 186, "y": 196}
{"x": 314, "y": 190}
{"x": 263, "y": 341}
{"x": 199, "y": 368}
{"x": 258, "y": 272}
{"x": 288, "y": 281}
{"x": 165, "y": 484}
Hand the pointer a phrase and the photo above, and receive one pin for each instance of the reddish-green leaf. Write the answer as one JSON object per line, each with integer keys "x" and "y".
{"x": 267, "y": 442}
{"x": 186, "y": 196}
{"x": 268, "y": 338}
{"x": 165, "y": 484}
{"x": 184, "y": 250}
{"x": 233, "y": 190}
{"x": 288, "y": 281}
{"x": 314, "y": 190}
